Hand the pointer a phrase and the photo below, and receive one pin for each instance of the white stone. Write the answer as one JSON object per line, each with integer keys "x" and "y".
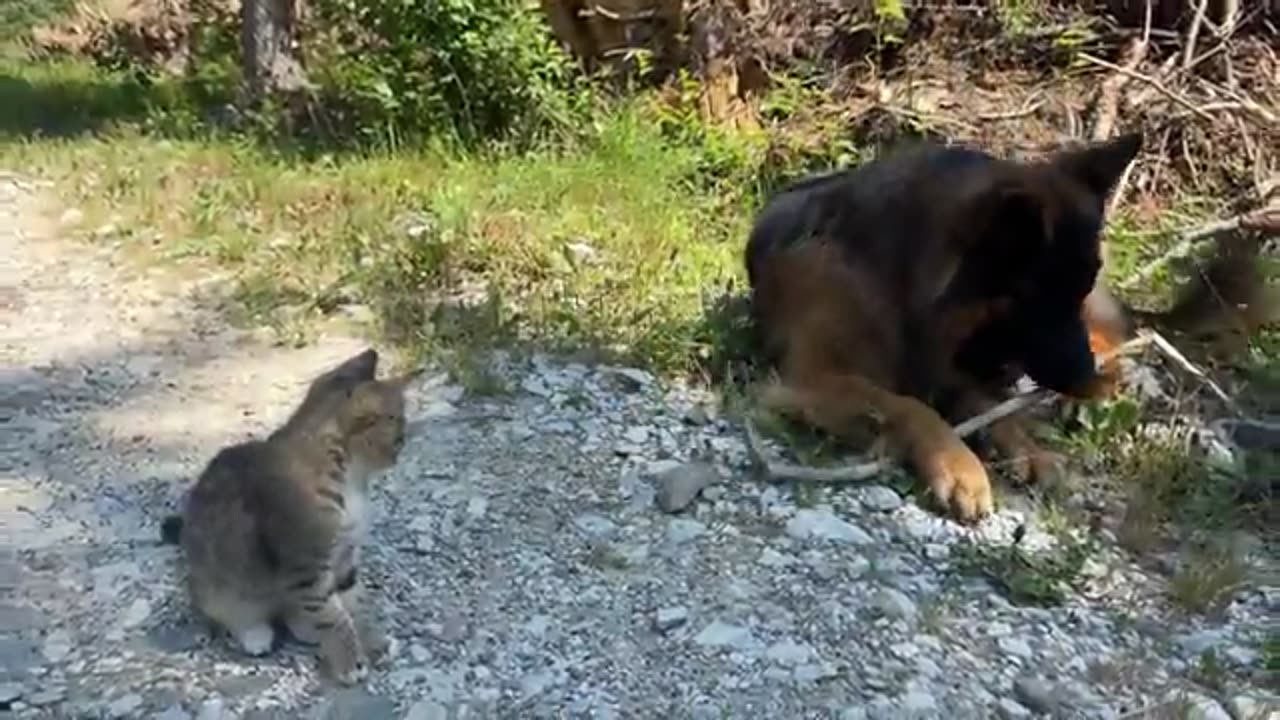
{"x": 822, "y": 524}
{"x": 725, "y": 635}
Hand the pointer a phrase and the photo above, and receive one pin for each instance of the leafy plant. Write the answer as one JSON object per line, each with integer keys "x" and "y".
{"x": 1035, "y": 578}
{"x": 469, "y": 69}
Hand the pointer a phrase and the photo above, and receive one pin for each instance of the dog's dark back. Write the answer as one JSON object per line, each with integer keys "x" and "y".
{"x": 942, "y": 227}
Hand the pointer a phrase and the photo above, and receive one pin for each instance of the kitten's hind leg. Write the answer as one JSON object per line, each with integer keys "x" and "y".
{"x": 376, "y": 642}
{"x": 327, "y": 623}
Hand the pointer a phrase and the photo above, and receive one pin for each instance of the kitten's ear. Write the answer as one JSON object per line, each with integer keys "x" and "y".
{"x": 1099, "y": 166}
{"x": 359, "y": 367}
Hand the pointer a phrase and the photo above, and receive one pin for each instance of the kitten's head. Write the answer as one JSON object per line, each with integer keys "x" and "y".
{"x": 373, "y": 419}
{"x": 333, "y": 383}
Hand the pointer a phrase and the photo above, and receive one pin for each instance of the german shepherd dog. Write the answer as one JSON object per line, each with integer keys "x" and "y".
{"x": 921, "y": 285}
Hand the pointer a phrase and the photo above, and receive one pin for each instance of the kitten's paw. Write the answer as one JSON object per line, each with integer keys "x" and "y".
{"x": 379, "y": 646}
{"x": 344, "y": 656}
{"x": 349, "y": 672}
{"x": 256, "y": 640}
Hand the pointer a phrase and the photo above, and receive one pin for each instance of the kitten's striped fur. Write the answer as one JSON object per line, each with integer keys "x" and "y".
{"x": 272, "y": 529}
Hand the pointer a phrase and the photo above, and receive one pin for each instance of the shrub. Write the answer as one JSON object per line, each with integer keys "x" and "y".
{"x": 471, "y": 70}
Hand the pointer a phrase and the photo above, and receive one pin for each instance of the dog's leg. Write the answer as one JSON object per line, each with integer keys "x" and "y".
{"x": 1028, "y": 462}
{"x": 954, "y": 474}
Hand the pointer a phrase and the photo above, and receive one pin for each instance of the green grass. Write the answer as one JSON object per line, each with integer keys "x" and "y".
{"x": 612, "y": 244}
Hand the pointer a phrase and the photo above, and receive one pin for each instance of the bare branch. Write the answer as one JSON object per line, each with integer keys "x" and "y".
{"x": 1164, "y": 90}
{"x": 1266, "y": 221}
{"x": 1181, "y": 360}
{"x": 1189, "y": 48}
{"x": 869, "y": 469}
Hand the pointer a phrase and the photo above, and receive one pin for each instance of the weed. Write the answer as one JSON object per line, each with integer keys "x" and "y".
{"x": 1208, "y": 579}
{"x": 1040, "y": 579}
{"x": 1209, "y": 670}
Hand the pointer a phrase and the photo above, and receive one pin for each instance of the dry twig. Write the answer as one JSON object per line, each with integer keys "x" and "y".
{"x": 1189, "y": 47}
{"x": 1171, "y": 352}
{"x": 1108, "y": 104}
{"x": 1153, "y": 82}
{"x": 1266, "y": 220}
{"x": 867, "y": 469}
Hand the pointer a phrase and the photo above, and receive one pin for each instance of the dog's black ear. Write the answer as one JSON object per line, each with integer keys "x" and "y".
{"x": 1098, "y": 166}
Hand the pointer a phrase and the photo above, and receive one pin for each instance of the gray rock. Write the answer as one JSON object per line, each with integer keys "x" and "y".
{"x": 814, "y": 672}
{"x": 637, "y": 435}
{"x": 17, "y": 618}
{"x": 678, "y": 487}
{"x": 1198, "y": 707}
{"x": 681, "y": 530}
{"x": 894, "y": 604}
{"x": 536, "y": 683}
{"x": 632, "y": 379}
{"x": 173, "y": 712}
{"x": 124, "y": 707}
{"x": 57, "y": 646}
{"x": 697, "y": 415}
{"x": 212, "y": 709}
{"x": 1036, "y": 694}
{"x": 20, "y": 387}
{"x": 917, "y": 702}
{"x": 724, "y": 635}
{"x": 823, "y": 525}
{"x": 1255, "y": 707}
{"x": 670, "y": 618}
{"x": 790, "y": 652}
{"x": 1251, "y": 706}
{"x": 173, "y": 638}
{"x": 1017, "y": 647}
{"x": 357, "y": 704}
{"x": 774, "y": 559}
{"x": 136, "y": 614}
{"x": 9, "y": 693}
{"x": 1010, "y": 709}
{"x": 47, "y": 696}
{"x": 427, "y": 710}
{"x": 595, "y": 526}
{"x": 880, "y": 498}
{"x": 1241, "y": 656}
{"x": 1196, "y": 643}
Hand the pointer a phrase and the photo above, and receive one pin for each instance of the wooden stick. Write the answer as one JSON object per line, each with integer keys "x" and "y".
{"x": 1177, "y": 98}
{"x": 1266, "y": 221}
{"x": 1108, "y": 102}
{"x": 868, "y": 469}
{"x": 1189, "y": 50}
{"x": 1181, "y": 360}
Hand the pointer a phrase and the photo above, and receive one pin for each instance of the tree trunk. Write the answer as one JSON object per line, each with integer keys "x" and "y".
{"x": 266, "y": 42}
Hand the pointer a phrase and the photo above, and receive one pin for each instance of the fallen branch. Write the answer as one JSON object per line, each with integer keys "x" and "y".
{"x": 1266, "y": 221}
{"x": 1171, "y": 352}
{"x": 1164, "y": 90}
{"x": 1189, "y": 49}
{"x": 867, "y": 469}
{"x": 1108, "y": 102}
{"x": 1108, "y": 106}
{"x": 1029, "y": 107}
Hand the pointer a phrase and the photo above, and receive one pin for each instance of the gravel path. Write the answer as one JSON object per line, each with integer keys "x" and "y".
{"x": 524, "y": 547}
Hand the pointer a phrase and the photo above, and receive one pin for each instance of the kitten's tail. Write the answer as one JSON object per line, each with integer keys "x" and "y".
{"x": 171, "y": 529}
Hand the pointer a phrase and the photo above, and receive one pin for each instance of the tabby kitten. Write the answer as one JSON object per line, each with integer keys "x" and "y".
{"x": 272, "y": 529}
